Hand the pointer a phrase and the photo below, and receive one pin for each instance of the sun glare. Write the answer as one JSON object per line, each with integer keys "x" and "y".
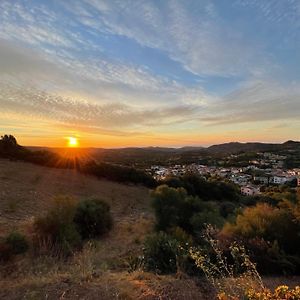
{"x": 72, "y": 141}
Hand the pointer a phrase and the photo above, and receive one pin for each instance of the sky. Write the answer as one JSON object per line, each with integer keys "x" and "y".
{"x": 149, "y": 73}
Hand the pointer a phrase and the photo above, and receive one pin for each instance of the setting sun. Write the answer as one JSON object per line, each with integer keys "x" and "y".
{"x": 72, "y": 141}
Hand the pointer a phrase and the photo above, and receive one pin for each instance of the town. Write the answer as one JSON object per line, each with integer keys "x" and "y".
{"x": 267, "y": 169}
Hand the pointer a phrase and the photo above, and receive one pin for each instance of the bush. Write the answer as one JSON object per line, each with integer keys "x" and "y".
{"x": 160, "y": 251}
{"x": 167, "y": 203}
{"x": 17, "y": 242}
{"x": 118, "y": 173}
{"x": 231, "y": 274}
{"x": 174, "y": 208}
{"x": 13, "y": 244}
{"x": 93, "y": 218}
{"x": 271, "y": 234}
{"x": 213, "y": 190}
{"x": 57, "y": 227}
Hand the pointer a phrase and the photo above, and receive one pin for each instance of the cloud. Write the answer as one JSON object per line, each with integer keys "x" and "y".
{"x": 55, "y": 65}
{"x": 36, "y": 103}
{"x": 21, "y": 63}
{"x": 31, "y": 84}
{"x": 275, "y": 11}
{"x": 99, "y": 80}
{"x": 24, "y": 28}
{"x": 195, "y": 37}
{"x": 256, "y": 102}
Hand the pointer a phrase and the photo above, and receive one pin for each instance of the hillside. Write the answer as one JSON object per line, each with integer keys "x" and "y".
{"x": 235, "y": 147}
{"x": 144, "y": 157}
{"x": 102, "y": 269}
{"x": 26, "y": 190}
{"x": 99, "y": 270}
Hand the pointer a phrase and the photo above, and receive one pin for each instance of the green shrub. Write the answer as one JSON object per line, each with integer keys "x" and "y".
{"x": 160, "y": 251}
{"x": 93, "y": 218}
{"x": 174, "y": 208}
{"x": 167, "y": 203}
{"x": 208, "y": 215}
{"x": 57, "y": 228}
{"x": 17, "y": 242}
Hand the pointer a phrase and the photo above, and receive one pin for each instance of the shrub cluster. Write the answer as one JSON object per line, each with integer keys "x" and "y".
{"x": 160, "y": 252}
{"x": 268, "y": 226}
{"x": 118, "y": 173}
{"x": 175, "y": 208}
{"x": 180, "y": 219}
{"x": 168, "y": 252}
{"x": 271, "y": 233}
{"x": 208, "y": 190}
{"x": 92, "y": 218}
{"x": 67, "y": 224}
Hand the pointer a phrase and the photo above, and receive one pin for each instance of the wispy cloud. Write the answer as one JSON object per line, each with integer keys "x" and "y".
{"x": 193, "y": 35}
{"x": 33, "y": 102}
{"x": 257, "y": 101}
{"x": 109, "y": 65}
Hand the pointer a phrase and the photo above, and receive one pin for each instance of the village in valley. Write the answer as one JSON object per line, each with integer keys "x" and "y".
{"x": 266, "y": 169}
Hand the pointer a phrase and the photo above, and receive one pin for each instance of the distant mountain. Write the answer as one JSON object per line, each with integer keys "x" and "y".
{"x": 190, "y": 148}
{"x": 291, "y": 144}
{"x": 236, "y": 147}
{"x": 145, "y": 156}
{"x": 232, "y": 147}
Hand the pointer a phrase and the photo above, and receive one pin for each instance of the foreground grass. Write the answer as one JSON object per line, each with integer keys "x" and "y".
{"x": 100, "y": 270}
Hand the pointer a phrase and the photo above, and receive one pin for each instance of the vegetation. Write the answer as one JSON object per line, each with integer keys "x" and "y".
{"x": 17, "y": 243}
{"x": 229, "y": 278}
{"x": 56, "y": 230}
{"x": 118, "y": 173}
{"x": 160, "y": 253}
{"x": 175, "y": 208}
{"x": 92, "y": 218}
{"x": 214, "y": 190}
{"x": 63, "y": 228}
{"x": 282, "y": 292}
{"x": 269, "y": 226}
{"x": 271, "y": 233}
{"x": 13, "y": 244}
{"x": 249, "y": 234}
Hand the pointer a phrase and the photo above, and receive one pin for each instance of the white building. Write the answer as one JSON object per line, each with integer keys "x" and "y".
{"x": 250, "y": 190}
{"x": 281, "y": 179}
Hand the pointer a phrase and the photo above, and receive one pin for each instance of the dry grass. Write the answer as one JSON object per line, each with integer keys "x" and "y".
{"x": 272, "y": 282}
{"x": 107, "y": 285}
{"x": 99, "y": 271}
{"x": 26, "y": 191}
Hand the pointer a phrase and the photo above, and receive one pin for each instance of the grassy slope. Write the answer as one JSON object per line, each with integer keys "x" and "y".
{"x": 100, "y": 270}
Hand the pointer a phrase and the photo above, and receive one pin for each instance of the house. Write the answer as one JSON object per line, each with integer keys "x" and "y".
{"x": 281, "y": 179}
{"x": 250, "y": 190}
{"x": 242, "y": 179}
{"x": 261, "y": 179}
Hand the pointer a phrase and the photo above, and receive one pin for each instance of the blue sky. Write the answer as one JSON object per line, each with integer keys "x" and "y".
{"x": 120, "y": 73}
